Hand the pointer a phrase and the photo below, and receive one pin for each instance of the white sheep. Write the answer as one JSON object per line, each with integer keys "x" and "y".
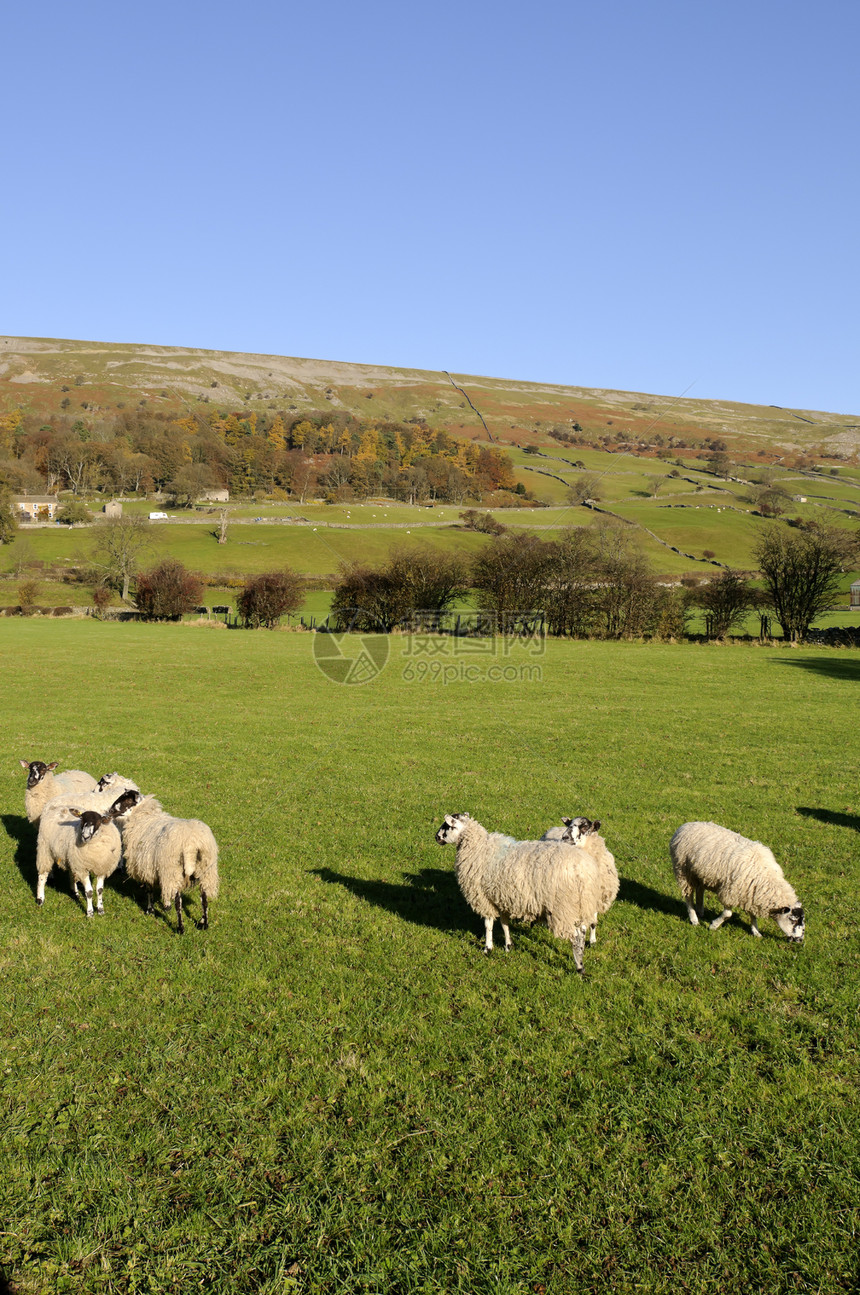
{"x": 582, "y": 832}
{"x": 43, "y": 786}
{"x": 505, "y": 879}
{"x": 116, "y": 782}
{"x": 742, "y": 874}
{"x": 84, "y": 842}
{"x": 172, "y": 854}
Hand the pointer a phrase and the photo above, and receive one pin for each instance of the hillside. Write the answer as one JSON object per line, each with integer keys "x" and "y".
{"x": 45, "y": 377}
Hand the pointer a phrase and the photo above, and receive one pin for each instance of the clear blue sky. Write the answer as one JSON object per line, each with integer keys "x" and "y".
{"x": 651, "y": 196}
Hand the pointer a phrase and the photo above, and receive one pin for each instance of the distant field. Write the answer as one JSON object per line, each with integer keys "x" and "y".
{"x": 332, "y": 1090}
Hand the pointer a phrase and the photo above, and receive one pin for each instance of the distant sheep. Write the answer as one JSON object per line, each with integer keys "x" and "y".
{"x": 84, "y": 842}
{"x": 741, "y": 873}
{"x": 43, "y": 786}
{"x": 172, "y": 854}
{"x": 505, "y": 879}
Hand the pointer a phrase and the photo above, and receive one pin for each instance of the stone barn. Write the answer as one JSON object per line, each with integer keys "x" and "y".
{"x": 113, "y": 508}
{"x": 855, "y": 596}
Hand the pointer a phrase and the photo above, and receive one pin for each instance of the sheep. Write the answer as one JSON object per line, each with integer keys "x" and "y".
{"x": 572, "y": 831}
{"x": 583, "y": 832}
{"x": 503, "y": 878}
{"x": 84, "y": 842}
{"x": 171, "y": 853}
{"x": 43, "y": 786}
{"x": 116, "y": 782}
{"x": 742, "y": 874}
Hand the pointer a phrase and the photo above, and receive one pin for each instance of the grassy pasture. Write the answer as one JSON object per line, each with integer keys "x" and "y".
{"x": 332, "y": 1090}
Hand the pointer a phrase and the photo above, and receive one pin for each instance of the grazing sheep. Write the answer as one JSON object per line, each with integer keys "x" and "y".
{"x": 43, "y": 786}
{"x": 172, "y": 854}
{"x": 505, "y": 879}
{"x": 84, "y": 842}
{"x": 742, "y": 874}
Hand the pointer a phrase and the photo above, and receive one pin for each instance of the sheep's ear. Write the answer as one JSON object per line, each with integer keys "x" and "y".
{"x": 75, "y": 813}
{"x": 25, "y": 764}
{"x": 53, "y": 764}
{"x": 595, "y": 826}
{"x": 568, "y": 822}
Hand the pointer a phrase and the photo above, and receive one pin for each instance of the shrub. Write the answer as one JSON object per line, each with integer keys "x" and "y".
{"x": 74, "y": 511}
{"x": 267, "y": 597}
{"x": 473, "y": 520}
{"x": 27, "y": 592}
{"x": 101, "y": 599}
{"x": 167, "y": 591}
{"x": 63, "y": 611}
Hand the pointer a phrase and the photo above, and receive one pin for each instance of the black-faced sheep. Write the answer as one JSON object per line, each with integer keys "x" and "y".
{"x": 84, "y": 842}
{"x": 504, "y": 879}
{"x": 171, "y": 854}
{"x": 741, "y": 873}
{"x": 43, "y": 786}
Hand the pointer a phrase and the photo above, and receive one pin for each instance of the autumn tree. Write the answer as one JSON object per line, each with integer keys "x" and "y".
{"x": 8, "y": 517}
{"x": 267, "y": 597}
{"x": 167, "y": 591}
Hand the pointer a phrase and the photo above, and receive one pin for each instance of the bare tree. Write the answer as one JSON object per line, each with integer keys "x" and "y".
{"x": 801, "y": 575}
{"x": 584, "y": 488}
{"x": 727, "y": 599}
{"x": 119, "y": 543}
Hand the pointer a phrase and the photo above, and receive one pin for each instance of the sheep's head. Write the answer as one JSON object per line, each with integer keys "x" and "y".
{"x": 107, "y": 780}
{"x": 577, "y": 828}
{"x": 791, "y": 922}
{"x": 452, "y": 829}
{"x": 36, "y": 770}
{"x": 90, "y": 822}
{"x": 124, "y": 804}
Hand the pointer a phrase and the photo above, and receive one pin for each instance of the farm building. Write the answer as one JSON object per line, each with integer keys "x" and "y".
{"x": 216, "y": 496}
{"x": 36, "y": 508}
{"x": 113, "y": 508}
{"x": 855, "y": 595}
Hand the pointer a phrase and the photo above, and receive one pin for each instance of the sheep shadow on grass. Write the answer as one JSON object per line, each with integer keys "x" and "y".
{"x": 24, "y": 834}
{"x": 430, "y": 897}
{"x": 645, "y": 897}
{"x": 831, "y": 816}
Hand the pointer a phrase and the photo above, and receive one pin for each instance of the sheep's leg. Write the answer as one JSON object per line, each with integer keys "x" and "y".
{"x": 488, "y": 935}
{"x": 100, "y": 885}
{"x": 593, "y": 936}
{"x": 204, "y": 902}
{"x": 179, "y": 914}
{"x": 700, "y": 902}
{"x": 506, "y": 932}
{"x": 577, "y": 941}
{"x": 754, "y": 926}
{"x": 718, "y": 921}
{"x": 88, "y": 891}
{"x": 40, "y": 887}
{"x": 150, "y": 903}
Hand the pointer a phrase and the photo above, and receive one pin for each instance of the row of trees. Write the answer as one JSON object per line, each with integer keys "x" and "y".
{"x": 596, "y": 582}
{"x": 273, "y": 453}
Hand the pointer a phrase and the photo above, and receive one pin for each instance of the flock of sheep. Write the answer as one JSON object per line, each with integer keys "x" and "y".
{"x": 88, "y": 827}
{"x": 568, "y": 878}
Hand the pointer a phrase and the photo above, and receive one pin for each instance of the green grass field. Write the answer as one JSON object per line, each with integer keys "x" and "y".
{"x": 332, "y": 1090}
